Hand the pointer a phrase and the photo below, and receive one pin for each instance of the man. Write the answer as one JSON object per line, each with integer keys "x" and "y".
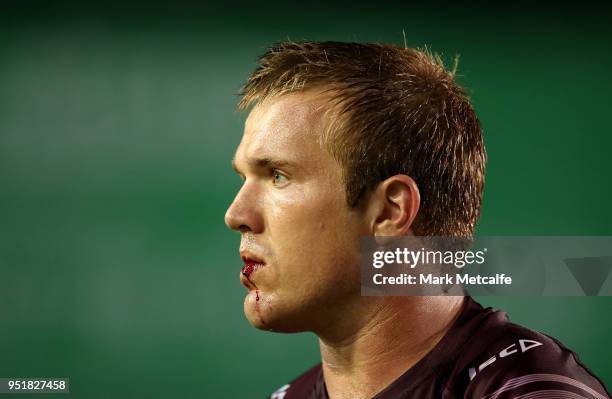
{"x": 348, "y": 140}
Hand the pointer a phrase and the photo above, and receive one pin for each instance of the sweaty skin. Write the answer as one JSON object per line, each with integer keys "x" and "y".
{"x": 294, "y": 221}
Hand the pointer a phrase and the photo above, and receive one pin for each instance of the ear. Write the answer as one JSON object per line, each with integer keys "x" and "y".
{"x": 393, "y": 206}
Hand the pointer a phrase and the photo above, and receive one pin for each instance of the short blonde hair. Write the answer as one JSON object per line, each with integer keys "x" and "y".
{"x": 396, "y": 111}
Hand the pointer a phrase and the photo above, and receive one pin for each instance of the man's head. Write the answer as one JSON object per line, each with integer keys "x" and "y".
{"x": 346, "y": 140}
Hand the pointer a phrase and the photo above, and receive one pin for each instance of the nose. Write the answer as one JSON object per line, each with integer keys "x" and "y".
{"x": 243, "y": 215}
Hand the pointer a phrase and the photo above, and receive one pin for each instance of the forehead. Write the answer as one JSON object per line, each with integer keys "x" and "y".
{"x": 289, "y": 125}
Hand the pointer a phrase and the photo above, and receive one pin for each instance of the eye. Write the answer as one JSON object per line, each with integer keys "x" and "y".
{"x": 278, "y": 178}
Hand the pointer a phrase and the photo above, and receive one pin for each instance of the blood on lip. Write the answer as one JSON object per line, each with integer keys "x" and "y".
{"x": 249, "y": 267}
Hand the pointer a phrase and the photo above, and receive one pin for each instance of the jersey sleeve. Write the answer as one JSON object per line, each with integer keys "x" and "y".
{"x": 531, "y": 366}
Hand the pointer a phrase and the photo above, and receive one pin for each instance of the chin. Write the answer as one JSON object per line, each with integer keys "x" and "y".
{"x": 262, "y": 315}
{"x": 256, "y": 311}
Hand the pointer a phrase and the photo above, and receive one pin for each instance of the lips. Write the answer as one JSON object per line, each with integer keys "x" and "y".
{"x": 251, "y": 264}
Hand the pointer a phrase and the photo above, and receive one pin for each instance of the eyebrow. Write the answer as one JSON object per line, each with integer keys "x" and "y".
{"x": 262, "y": 163}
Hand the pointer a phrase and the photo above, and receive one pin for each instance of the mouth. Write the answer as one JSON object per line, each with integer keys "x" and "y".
{"x": 251, "y": 265}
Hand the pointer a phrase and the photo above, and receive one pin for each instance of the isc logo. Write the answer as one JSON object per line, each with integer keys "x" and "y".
{"x": 523, "y": 346}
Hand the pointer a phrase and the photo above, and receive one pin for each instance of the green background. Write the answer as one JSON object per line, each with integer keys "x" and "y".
{"x": 117, "y": 127}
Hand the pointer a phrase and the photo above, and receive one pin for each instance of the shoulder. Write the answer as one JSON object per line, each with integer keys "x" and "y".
{"x": 507, "y": 360}
{"x": 304, "y": 386}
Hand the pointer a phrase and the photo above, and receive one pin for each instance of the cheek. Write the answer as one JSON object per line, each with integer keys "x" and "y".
{"x": 315, "y": 240}
{"x": 302, "y": 219}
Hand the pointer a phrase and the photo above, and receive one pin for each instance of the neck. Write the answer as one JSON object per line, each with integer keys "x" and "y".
{"x": 379, "y": 340}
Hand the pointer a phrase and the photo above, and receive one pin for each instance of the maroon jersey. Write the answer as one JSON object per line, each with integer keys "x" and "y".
{"x": 483, "y": 355}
